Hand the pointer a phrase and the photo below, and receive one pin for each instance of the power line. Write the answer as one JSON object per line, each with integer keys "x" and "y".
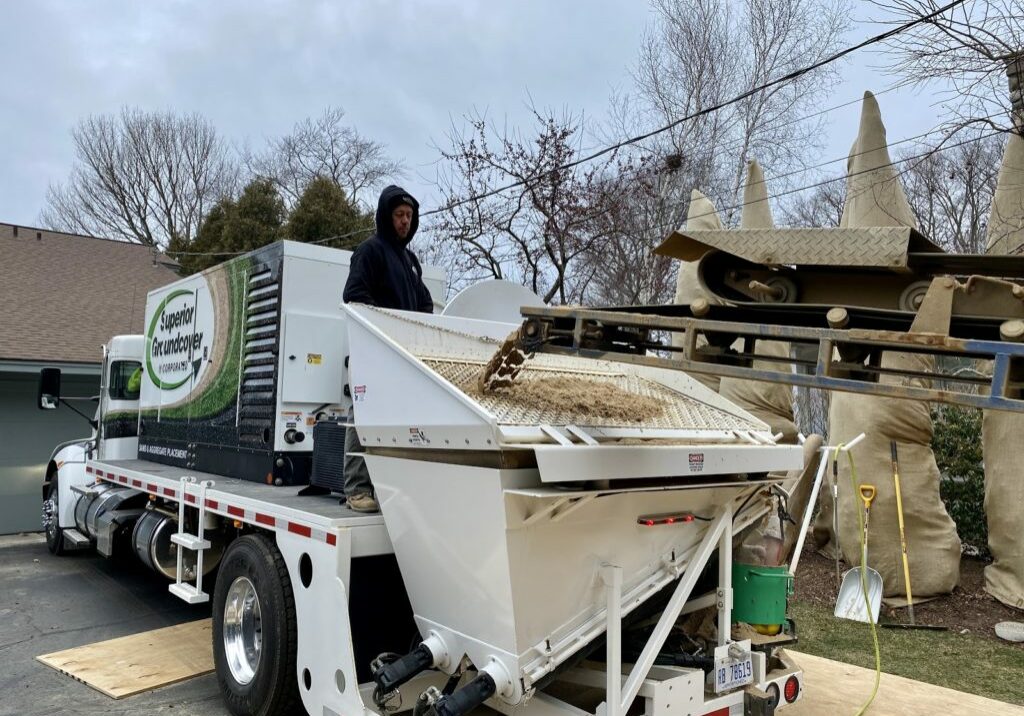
{"x": 881, "y": 37}
{"x": 922, "y": 155}
{"x": 846, "y": 157}
{"x": 671, "y": 125}
{"x": 349, "y": 235}
{"x": 739, "y": 143}
{"x": 606, "y": 210}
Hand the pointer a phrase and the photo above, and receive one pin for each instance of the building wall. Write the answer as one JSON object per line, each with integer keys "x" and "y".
{"x": 28, "y": 436}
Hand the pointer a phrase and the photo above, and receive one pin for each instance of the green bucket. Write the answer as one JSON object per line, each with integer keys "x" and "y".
{"x": 759, "y": 594}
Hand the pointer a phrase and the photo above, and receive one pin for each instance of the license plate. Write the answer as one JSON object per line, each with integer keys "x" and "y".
{"x": 731, "y": 673}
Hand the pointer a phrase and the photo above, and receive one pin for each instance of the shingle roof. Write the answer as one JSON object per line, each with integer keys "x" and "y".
{"x": 62, "y": 296}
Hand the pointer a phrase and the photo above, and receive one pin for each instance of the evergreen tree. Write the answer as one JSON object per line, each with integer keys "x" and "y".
{"x": 257, "y": 219}
{"x": 324, "y": 211}
{"x": 208, "y": 240}
{"x": 234, "y": 227}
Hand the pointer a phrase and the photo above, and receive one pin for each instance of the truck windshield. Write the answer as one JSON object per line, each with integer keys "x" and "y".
{"x": 125, "y": 379}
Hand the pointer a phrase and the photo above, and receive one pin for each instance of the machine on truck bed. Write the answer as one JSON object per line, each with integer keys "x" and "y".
{"x": 538, "y": 549}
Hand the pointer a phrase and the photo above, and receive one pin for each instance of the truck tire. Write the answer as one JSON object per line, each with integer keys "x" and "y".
{"x": 254, "y": 633}
{"x": 54, "y": 533}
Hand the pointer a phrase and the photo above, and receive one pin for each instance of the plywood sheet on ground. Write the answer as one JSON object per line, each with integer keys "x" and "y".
{"x": 140, "y": 662}
{"x": 836, "y": 688}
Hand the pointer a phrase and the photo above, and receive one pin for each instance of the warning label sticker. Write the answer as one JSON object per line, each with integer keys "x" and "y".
{"x": 696, "y": 462}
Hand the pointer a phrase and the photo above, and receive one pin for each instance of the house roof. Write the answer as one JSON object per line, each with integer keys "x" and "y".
{"x": 62, "y": 296}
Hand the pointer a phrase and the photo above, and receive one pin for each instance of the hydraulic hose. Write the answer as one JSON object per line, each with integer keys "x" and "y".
{"x": 395, "y": 673}
{"x": 468, "y": 697}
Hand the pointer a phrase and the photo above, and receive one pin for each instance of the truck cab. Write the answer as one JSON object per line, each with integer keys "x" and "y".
{"x": 114, "y": 435}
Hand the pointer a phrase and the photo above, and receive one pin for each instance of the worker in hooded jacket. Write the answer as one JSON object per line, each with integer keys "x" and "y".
{"x": 385, "y": 273}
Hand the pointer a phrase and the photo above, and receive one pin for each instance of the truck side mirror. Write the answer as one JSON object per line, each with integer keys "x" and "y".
{"x": 49, "y": 389}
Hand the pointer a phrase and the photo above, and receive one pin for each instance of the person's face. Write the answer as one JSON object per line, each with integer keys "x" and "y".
{"x": 401, "y": 218}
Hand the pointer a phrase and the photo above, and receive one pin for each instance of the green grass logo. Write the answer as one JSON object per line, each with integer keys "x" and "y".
{"x": 174, "y": 341}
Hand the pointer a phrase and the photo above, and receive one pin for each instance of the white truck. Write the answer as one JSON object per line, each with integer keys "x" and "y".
{"x": 543, "y": 551}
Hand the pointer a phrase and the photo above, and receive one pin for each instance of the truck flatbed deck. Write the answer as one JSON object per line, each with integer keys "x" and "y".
{"x": 267, "y": 506}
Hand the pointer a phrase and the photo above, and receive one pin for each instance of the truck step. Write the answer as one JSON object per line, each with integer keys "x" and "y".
{"x": 190, "y": 541}
{"x": 84, "y": 490}
{"x": 189, "y": 593}
{"x": 75, "y": 539}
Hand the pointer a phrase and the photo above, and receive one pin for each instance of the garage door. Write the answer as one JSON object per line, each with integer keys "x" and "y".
{"x": 27, "y": 436}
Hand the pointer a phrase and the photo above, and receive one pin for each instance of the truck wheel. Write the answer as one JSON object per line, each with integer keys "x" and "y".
{"x": 51, "y": 520}
{"x": 254, "y": 634}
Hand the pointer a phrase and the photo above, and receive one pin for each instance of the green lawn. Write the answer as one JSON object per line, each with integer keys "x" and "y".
{"x": 958, "y": 661}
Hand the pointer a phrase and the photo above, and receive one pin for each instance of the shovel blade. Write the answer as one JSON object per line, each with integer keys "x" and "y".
{"x": 851, "y": 605}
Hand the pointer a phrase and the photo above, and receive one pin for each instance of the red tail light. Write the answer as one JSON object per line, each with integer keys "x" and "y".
{"x": 792, "y": 689}
{"x": 668, "y": 518}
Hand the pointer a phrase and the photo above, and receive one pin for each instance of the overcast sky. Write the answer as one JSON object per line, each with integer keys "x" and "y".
{"x": 402, "y": 71}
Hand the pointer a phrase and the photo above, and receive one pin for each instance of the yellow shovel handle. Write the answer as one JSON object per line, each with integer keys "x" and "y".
{"x": 867, "y": 495}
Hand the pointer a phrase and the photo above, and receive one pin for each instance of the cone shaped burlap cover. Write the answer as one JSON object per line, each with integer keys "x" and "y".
{"x": 771, "y": 402}
{"x": 875, "y": 197}
{"x": 1001, "y": 431}
{"x": 702, "y": 215}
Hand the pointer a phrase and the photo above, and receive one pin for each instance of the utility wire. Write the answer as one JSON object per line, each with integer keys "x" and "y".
{"x": 727, "y": 208}
{"x": 881, "y": 37}
{"x": 825, "y": 182}
{"x": 875, "y": 39}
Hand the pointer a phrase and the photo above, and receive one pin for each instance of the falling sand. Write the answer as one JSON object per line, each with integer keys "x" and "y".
{"x": 589, "y": 399}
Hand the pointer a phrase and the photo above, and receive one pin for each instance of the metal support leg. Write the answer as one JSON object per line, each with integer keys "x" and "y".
{"x": 720, "y": 529}
{"x": 725, "y": 579}
{"x": 612, "y": 576}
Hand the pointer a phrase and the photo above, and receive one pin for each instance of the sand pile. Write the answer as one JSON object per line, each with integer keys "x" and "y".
{"x": 589, "y": 399}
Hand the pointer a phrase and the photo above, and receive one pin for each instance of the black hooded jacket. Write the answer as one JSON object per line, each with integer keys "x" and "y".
{"x": 383, "y": 272}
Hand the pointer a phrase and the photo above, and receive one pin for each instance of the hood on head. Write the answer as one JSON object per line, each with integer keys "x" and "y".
{"x": 390, "y": 198}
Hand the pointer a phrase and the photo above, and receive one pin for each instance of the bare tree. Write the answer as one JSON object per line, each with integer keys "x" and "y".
{"x": 536, "y": 234}
{"x": 623, "y": 267}
{"x": 699, "y": 53}
{"x": 145, "y": 177}
{"x": 951, "y": 191}
{"x": 324, "y": 146}
{"x": 821, "y": 207}
{"x": 967, "y": 48}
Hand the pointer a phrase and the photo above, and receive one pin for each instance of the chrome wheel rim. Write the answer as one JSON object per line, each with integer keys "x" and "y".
{"x": 50, "y": 508}
{"x": 243, "y": 630}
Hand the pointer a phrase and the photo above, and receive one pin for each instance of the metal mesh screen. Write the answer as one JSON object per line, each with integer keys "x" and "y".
{"x": 681, "y": 412}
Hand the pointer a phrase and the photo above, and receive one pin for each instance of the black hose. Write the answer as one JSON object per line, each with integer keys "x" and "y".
{"x": 395, "y": 673}
{"x": 468, "y": 697}
{"x": 421, "y": 706}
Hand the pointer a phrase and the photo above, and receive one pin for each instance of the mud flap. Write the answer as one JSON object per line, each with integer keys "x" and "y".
{"x": 758, "y": 702}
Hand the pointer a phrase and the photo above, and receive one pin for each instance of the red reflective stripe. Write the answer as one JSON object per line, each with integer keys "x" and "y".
{"x": 88, "y": 468}
{"x": 190, "y": 498}
{"x": 236, "y": 511}
{"x": 99, "y": 473}
{"x": 300, "y": 529}
{"x": 150, "y": 487}
{"x": 169, "y": 491}
{"x": 332, "y": 539}
{"x": 136, "y": 483}
{"x": 264, "y": 519}
{"x": 718, "y": 712}
{"x": 212, "y": 504}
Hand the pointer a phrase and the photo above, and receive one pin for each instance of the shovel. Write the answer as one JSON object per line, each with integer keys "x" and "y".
{"x": 903, "y": 548}
{"x": 851, "y": 604}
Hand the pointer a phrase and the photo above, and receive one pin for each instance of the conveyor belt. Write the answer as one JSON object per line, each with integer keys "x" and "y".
{"x": 846, "y": 360}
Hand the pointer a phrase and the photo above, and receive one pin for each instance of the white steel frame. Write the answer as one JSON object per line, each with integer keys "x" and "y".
{"x": 620, "y": 696}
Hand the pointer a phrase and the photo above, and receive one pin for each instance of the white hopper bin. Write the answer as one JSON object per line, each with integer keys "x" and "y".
{"x": 503, "y": 567}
